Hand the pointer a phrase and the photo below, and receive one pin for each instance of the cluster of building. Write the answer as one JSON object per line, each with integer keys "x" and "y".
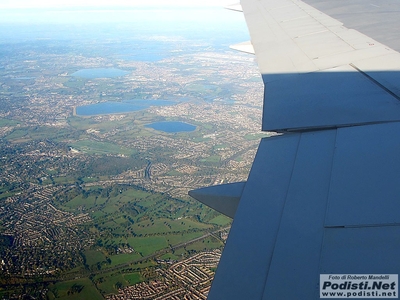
{"x": 34, "y": 225}
{"x": 39, "y": 94}
{"x": 187, "y": 279}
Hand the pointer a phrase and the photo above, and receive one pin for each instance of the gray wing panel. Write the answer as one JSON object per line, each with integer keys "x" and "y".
{"x": 365, "y": 187}
{"x": 373, "y": 18}
{"x": 244, "y": 264}
{"x": 295, "y": 261}
{"x": 277, "y": 232}
{"x": 315, "y": 203}
{"x": 363, "y": 250}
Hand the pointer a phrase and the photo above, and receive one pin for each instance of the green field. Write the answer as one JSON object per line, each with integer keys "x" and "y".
{"x": 221, "y": 220}
{"x": 204, "y": 245}
{"x": 133, "y": 278}
{"x": 220, "y": 146}
{"x": 126, "y": 217}
{"x": 163, "y": 225}
{"x": 108, "y": 283}
{"x": 94, "y": 147}
{"x": 17, "y": 134}
{"x": 184, "y": 237}
{"x": 130, "y": 228}
{"x": 4, "y": 195}
{"x": 169, "y": 256}
{"x": 212, "y": 159}
{"x": 174, "y": 173}
{"x": 93, "y": 257}
{"x": 75, "y": 83}
{"x": 201, "y": 139}
{"x": 8, "y": 122}
{"x": 111, "y": 283}
{"x": 79, "y": 202}
{"x": 37, "y": 133}
{"x": 131, "y": 123}
{"x": 62, "y": 180}
{"x": 148, "y": 245}
{"x": 124, "y": 258}
{"x": 74, "y": 290}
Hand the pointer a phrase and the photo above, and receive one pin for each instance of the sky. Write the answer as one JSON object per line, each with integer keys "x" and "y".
{"x": 15, "y": 4}
{"x": 112, "y": 11}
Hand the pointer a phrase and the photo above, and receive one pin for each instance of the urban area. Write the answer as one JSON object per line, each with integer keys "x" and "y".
{"x": 93, "y": 198}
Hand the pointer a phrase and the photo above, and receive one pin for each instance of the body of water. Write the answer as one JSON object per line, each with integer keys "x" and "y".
{"x": 104, "y": 108}
{"x": 100, "y": 73}
{"x": 171, "y": 127}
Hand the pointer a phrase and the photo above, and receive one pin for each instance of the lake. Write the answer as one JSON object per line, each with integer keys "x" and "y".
{"x": 100, "y": 73}
{"x": 104, "y": 108}
{"x": 172, "y": 126}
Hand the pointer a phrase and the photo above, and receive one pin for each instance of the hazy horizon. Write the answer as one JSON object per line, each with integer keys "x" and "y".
{"x": 6, "y": 4}
{"x": 205, "y": 14}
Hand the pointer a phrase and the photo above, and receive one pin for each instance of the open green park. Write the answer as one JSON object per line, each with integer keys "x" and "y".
{"x": 130, "y": 228}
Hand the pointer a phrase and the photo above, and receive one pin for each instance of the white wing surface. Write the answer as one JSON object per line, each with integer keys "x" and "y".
{"x": 318, "y": 73}
{"x": 323, "y": 197}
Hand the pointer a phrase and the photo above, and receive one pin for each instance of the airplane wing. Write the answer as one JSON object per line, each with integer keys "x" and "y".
{"x": 324, "y": 196}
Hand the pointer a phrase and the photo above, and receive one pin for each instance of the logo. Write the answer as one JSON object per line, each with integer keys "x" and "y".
{"x": 381, "y": 286}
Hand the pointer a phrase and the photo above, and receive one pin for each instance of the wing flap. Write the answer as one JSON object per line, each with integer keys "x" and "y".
{"x": 249, "y": 248}
{"x": 333, "y": 98}
{"x": 278, "y": 230}
{"x": 298, "y": 242}
{"x": 365, "y": 187}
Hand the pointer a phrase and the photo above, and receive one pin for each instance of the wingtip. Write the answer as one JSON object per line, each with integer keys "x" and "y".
{"x": 223, "y": 198}
{"x": 235, "y": 7}
{"x": 246, "y": 47}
